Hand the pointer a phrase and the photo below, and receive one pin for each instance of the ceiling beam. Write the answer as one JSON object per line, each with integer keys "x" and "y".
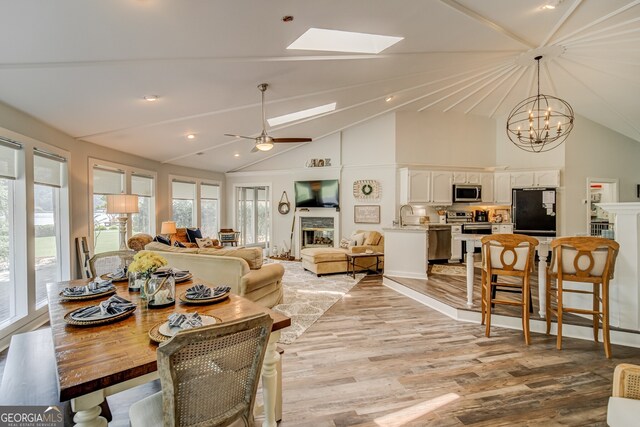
{"x": 431, "y": 104}
{"x": 601, "y": 98}
{"x": 560, "y": 22}
{"x": 553, "y": 86}
{"x": 479, "y": 88}
{"x": 487, "y": 22}
{"x": 515, "y": 82}
{"x": 604, "y": 30}
{"x": 603, "y": 37}
{"x": 493, "y": 89}
{"x": 597, "y": 21}
{"x": 606, "y": 70}
{"x": 605, "y": 43}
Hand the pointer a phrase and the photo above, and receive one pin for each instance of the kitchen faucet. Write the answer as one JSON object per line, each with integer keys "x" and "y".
{"x": 402, "y": 207}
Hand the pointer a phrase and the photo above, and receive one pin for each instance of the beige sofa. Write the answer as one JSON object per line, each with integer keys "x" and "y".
{"x": 241, "y": 269}
{"x": 334, "y": 260}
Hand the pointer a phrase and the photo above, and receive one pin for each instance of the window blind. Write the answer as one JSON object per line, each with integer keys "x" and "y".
{"x": 183, "y": 190}
{"x": 209, "y": 191}
{"x": 142, "y": 185}
{"x": 48, "y": 169}
{"x": 9, "y": 158}
{"x": 107, "y": 181}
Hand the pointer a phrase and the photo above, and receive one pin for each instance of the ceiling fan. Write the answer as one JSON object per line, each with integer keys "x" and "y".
{"x": 265, "y": 142}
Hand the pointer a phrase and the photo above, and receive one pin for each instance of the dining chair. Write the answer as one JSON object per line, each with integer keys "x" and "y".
{"x": 209, "y": 376}
{"x": 624, "y": 403}
{"x": 589, "y": 260}
{"x": 507, "y": 256}
{"x": 108, "y": 262}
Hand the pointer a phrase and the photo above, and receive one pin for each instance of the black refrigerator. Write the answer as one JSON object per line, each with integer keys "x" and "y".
{"x": 533, "y": 211}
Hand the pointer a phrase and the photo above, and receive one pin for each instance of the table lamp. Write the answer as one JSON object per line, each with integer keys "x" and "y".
{"x": 168, "y": 228}
{"x": 122, "y": 204}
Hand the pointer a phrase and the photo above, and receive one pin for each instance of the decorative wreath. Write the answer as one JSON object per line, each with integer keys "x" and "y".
{"x": 366, "y": 189}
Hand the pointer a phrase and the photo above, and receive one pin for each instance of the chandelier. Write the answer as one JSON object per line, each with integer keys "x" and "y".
{"x": 541, "y": 122}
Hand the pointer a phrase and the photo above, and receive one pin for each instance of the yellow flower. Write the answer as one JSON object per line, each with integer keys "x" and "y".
{"x": 146, "y": 262}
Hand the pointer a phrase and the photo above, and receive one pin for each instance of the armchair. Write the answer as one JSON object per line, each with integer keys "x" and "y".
{"x": 624, "y": 404}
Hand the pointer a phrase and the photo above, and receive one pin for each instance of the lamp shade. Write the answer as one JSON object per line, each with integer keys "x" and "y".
{"x": 122, "y": 203}
{"x": 168, "y": 227}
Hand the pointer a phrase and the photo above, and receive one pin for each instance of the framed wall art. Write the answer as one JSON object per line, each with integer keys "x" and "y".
{"x": 366, "y": 214}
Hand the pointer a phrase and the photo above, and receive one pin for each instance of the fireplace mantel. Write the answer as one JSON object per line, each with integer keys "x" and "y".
{"x": 315, "y": 213}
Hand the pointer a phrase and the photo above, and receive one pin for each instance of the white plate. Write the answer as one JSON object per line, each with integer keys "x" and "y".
{"x": 169, "y": 332}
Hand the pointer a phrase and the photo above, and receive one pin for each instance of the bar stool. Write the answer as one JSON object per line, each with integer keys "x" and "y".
{"x": 507, "y": 255}
{"x": 582, "y": 260}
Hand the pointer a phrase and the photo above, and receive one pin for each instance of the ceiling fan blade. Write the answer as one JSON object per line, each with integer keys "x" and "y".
{"x": 239, "y": 136}
{"x": 255, "y": 150}
{"x": 292, "y": 139}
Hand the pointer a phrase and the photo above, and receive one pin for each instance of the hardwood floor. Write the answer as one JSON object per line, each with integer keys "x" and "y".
{"x": 380, "y": 359}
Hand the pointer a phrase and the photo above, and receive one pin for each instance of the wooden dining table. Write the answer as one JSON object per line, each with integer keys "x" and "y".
{"x": 93, "y": 362}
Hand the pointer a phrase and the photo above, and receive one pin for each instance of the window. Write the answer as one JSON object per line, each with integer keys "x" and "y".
{"x": 8, "y": 174}
{"x": 143, "y": 220}
{"x": 105, "y": 226}
{"x": 183, "y": 203}
{"x": 112, "y": 178}
{"x": 209, "y": 207}
{"x": 196, "y": 203}
{"x": 253, "y": 215}
{"x": 48, "y": 174}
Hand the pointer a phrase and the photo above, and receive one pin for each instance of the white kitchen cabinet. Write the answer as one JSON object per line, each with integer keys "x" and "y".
{"x": 502, "y": 186}
{"x": 547, "y": 178}
{"x": 502, "y": 229}
{"x": 442, "y": 187}
{"x": 488, "y": 193}
{"x": 522, "y": 179}
{"x": 456, "y": 245}
{"x": 415, "y": 186}
{"x": 466, "y": 177}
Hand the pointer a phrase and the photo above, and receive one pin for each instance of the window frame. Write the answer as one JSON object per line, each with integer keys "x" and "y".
{"x": 269, "y": 200}
{"x": 198, "y": 199}
{"x": 128, "y": 171}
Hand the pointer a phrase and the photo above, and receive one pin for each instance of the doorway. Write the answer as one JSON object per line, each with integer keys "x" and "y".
{"x": 252, "y": 215}
{"x": 600, "y": 190}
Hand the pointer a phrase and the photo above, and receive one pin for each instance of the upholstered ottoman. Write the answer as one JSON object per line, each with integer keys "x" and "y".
{"x": 324, "y": 260}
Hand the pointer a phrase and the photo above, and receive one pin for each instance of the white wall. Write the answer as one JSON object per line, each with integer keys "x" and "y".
{"x": 593, "y": 150}
{"x": 445, "y": 139}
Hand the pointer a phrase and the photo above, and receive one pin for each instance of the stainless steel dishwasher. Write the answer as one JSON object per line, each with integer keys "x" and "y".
{"x": 439, "y": 242}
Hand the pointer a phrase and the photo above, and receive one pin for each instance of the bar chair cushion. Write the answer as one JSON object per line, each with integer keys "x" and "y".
{"x": 572, "y": 263}
{"x": 500, "y": 259}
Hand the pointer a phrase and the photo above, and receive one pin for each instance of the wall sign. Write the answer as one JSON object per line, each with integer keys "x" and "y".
{"x": 366, "y": 214}
{"x": 366, "y": 189}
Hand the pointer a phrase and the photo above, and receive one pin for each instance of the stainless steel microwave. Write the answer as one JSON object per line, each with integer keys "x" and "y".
{"x": 467, "y": 193}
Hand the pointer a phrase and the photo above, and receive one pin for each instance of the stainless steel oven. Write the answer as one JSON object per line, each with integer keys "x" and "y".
{"x": 467, "y": 193}
{"x": 475, "y": 228}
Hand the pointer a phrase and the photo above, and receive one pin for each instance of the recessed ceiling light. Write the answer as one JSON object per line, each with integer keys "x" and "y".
{"x": 191, "y": 136}
{"x": 301, "y": 114}
{"x": 389, "y": 98}
{"x": 236, "y": 155}
{"x": 548, "y": 7}
{"x": 151, "y": 98}
{"x": 287, "y": 18}
{"x": 343, "y": 41}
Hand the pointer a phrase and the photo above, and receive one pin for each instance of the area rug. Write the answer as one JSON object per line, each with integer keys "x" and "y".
{"x": 449, "y": 270}
{"x": 307, "y": 297}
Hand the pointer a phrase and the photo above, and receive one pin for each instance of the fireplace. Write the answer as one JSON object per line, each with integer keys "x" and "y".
{"x": 316, "y": 232}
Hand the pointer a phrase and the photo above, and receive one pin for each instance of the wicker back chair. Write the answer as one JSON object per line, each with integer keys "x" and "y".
{"x": 507, "y": 255}
{"x": 109, "y": 262}
{"x": 209, "y": 376}
{"x": 624, "y": 403}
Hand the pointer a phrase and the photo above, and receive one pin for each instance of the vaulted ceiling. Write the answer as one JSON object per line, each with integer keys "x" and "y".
{"x": 85, "y": 66}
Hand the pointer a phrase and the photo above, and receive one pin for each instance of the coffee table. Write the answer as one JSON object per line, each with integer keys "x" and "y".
{"x": 351, "y": 262}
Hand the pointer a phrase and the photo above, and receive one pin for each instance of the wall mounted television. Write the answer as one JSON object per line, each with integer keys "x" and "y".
{"x": 317, "y": 194}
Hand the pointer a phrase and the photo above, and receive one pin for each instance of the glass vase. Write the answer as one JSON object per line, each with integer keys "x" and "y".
{"x": 160, "y": 290}
{"x": 137, "y": 281}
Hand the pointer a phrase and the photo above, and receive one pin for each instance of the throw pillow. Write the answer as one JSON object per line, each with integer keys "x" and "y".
{"x": 373, "y": 238}
{"x": 193, "y": 234}
{"x": 161, "y": 239}
{"x": 178, "y": 244}
{"x": 357, "y": 239}
{"x": 204, "y": 242}
{"x": 344, "y": 243}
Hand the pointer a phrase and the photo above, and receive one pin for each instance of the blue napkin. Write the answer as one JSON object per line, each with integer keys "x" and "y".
{"x": 95, "y": 287}
{"x": 112, "y": 306}
{"x": 201, "y": 291}
{"x": 185, "y": 321}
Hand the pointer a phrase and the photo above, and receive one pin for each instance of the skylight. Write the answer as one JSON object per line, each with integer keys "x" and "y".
{"x": 343, "y": 41}
{"x": 301, "y": 114}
